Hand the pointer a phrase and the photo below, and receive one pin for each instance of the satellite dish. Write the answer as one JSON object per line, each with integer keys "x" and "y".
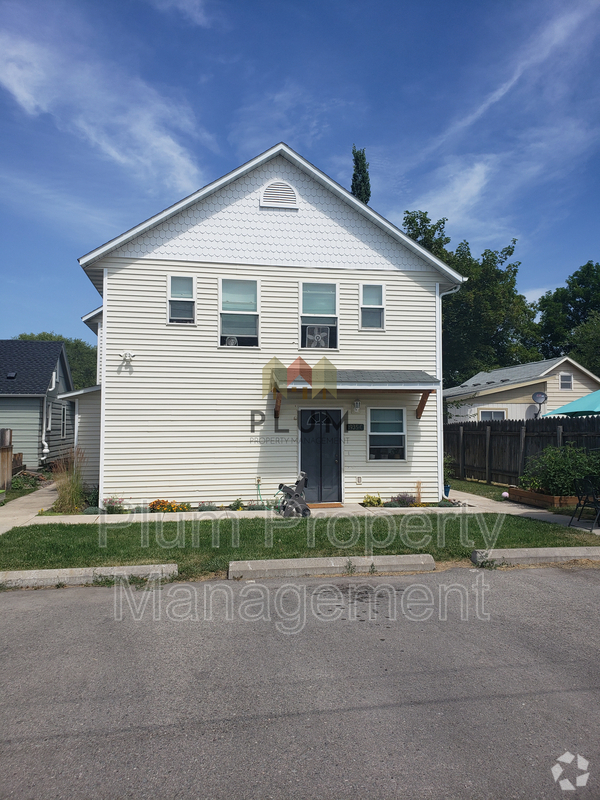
{"x": 539, "y": 397}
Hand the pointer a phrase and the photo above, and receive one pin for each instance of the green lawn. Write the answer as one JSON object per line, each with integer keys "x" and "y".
{"x": 59, "y": 545}
{"x": 13, "y": 494}
{"x": 475, "y": 487}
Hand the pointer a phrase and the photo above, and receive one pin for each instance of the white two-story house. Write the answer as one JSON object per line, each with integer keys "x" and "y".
{"x": 267, "y": 324}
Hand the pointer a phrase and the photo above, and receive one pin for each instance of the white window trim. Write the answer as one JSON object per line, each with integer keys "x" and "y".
{"x": 566, "y": 375}
{"x": 361, "y": 305}
{"x": 302, "y": 314}
{"x": 479, "y": 410}
{"x": 194, "y": 300}
{"x": 63, "y": 423}
{"x": 256, "y": 313}
{"x": 405, "y": 434}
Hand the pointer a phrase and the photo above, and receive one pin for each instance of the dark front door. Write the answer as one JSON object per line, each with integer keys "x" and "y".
{"x": 320, "y": 454}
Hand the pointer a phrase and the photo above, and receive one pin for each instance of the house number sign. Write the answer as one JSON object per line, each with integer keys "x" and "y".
{"x": 354, "y": 427}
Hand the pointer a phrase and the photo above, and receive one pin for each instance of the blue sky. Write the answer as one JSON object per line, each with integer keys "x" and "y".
{"x": 486, "y": 113}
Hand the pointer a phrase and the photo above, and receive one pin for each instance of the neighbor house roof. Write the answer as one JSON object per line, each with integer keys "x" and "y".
{"x": 450, "y": 276}
{"x": 26, "y": 367}
{"x": 505, "y": 377}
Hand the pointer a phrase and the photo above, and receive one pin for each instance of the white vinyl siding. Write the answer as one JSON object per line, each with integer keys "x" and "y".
{"x": 88, "y": 436}
{"x": 185, "y": 399}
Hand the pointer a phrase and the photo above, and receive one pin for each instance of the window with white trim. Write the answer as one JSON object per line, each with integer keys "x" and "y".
{"x": 239, "y": 313}
{"x": 566, "y": 380}
{"x": 387, "y": 436}
{"x": 63, "y": 423}
{"x": 491, "y": 414}
{"x": 182, "y": 305}
{"x": 372, "y": 306}
{"x": 319, "y": 315}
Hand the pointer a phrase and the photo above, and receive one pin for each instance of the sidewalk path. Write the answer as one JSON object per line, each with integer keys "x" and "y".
{"x": 24, "y": 511}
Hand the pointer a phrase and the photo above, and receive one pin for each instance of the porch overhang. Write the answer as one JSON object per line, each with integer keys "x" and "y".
{"x": 358, "y": 380}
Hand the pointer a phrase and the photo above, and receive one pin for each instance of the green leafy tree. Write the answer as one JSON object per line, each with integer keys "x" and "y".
{"x": 568, "y": 307}
{"x": 585, "y": 343}
{"x": 81, "y": 355}
{"x": 487, "y": 323}
{"x": 361, "y": 184}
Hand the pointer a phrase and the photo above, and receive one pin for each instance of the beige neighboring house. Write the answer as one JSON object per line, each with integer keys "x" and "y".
{"x": 507, "y": 393}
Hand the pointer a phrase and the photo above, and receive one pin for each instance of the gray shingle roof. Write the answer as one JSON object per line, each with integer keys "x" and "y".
{"x": 33, "y": 363}
{"x": 385, "y": 376}
{"x": 503, "y": 377}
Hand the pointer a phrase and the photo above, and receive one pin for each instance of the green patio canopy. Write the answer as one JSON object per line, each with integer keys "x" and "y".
{"x": 584, "y": 407}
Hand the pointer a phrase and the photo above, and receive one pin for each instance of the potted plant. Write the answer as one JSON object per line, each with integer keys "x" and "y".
{"x": 448, "y": 473}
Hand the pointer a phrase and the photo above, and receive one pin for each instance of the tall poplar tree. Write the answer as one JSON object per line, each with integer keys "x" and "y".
{"x": 361, "y": 185}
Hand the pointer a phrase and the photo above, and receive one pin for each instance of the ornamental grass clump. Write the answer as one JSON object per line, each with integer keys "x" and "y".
{"x": 68, "y": 479}
{"x": 555, "y": 470}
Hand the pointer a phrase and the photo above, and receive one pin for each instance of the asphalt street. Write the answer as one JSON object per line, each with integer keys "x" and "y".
{"x": 343, "y": 688}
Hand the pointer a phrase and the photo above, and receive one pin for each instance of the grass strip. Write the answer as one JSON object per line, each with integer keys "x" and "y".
{"x": 199, "y": 549}
{"x": 475, "y": 487}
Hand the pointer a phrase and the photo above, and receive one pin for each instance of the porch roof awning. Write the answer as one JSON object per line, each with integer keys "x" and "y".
{"x": 394, "y": 379}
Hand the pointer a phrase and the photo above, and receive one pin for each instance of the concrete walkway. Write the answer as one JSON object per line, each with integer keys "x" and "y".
{"x": 24, "y": 510}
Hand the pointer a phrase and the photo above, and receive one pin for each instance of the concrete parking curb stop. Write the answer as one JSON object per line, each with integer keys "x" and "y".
{"x": 39, "y": 578}
{"x": 534, "y": 555}
{"x": 344, "y": 565}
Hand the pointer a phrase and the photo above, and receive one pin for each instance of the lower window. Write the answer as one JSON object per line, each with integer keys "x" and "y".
{"x": 387, "y": 438}
{"x": 487, "y": 415}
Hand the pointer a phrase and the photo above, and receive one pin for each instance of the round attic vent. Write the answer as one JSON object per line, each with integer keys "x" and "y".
{"x": 279, "y": 195}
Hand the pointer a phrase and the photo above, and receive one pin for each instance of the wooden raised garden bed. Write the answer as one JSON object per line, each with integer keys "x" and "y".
{"x": 530, "y": 498}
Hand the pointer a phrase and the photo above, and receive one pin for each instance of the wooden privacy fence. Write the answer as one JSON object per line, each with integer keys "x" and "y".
{"x": 497, "y": 450}
{"x": 6, "y": 458}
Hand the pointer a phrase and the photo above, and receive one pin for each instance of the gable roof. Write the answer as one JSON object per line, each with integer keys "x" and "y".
{"x": 33, "y": 363}
{"x": 505, "y": 377}
{"x": 450, "y": 276}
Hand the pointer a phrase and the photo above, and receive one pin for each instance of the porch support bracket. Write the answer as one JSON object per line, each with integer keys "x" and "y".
{"x": 277, "y": 408}
{"x": 424, "y": 397}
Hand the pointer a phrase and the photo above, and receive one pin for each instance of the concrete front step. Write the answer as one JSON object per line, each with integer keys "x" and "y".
{"x": 345, "y": 565}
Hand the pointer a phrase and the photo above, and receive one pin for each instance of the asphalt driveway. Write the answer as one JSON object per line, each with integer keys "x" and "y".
{"x": 344, "y": 688}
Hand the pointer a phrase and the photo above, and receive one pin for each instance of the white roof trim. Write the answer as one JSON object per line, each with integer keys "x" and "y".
{"x": 97, "y": 312}
{"x": 79, "y": 392}
{"x": 575, "y": 364}
{"x": 281, "y": 149}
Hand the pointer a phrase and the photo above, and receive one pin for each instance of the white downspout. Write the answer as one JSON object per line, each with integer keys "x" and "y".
{"x": 440, "y": 399}
{"x": 45, "y": 448}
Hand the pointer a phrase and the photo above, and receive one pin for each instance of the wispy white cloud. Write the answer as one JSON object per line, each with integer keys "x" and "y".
{"x": 122, "y": 117}
{"x": 531, "y": 295}
{"x": 290, "y": 114}
{"x": 194, "y": 10}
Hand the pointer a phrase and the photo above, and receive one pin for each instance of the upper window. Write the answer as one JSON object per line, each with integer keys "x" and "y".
{"x": 387, "y": 438}
{"x": 488, "y": 415}
{"x": 279, "y": 194}
{"x": 319, "y": 320}
{"x": 372, "y": 306}
{"x": 566, "y": 380}
{"x": 182, "y": 307}
{"x": 239, "y": 313}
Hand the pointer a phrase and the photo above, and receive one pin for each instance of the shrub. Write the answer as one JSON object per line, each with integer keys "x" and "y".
{"x": 448, "y": 468}
{"x": 207, "y": 506}
{"x": 115, "y": 505}
{"x": 554, "y": 470}
{"x": 69, "y": 484}
{"x": 401, "y": 501}
{"x": 237, "y": 505}
{"x": 372, "y": 500}
{"x": 168, "y": 506}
